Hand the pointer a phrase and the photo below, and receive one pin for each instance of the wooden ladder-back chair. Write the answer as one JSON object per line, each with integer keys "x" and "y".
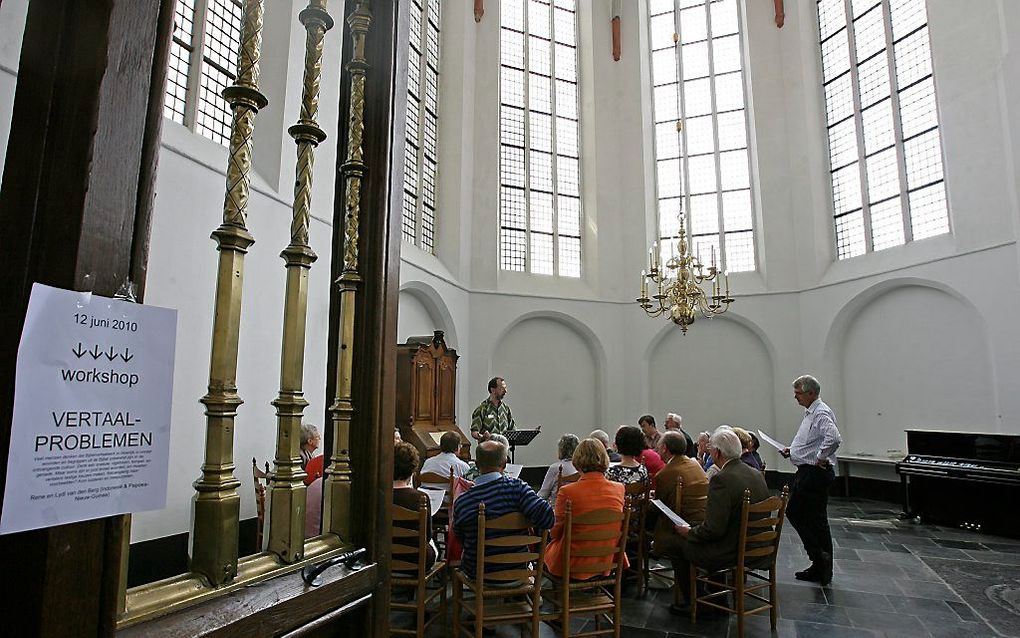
{"x": 409, "y": 542}
{"x": 261, "y": 482}
{"x": 513, "y": 594}
{"x": 697, "y": 497}
{"x": 440, "y": 519}
{"x": 636, "y": 498}
{"x": 562, "y": 480}
{"x": 761, "y": 527}
{"x": 597, "y": 596}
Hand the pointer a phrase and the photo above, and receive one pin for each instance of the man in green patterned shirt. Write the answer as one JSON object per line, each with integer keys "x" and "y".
{"x": 492, "y": 416}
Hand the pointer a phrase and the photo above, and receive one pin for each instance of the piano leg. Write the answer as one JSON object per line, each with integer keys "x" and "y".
{"x": 906, "y": 498}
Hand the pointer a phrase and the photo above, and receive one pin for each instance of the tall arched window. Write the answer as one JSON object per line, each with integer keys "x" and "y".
{"x": 539, "y": 159}
{"x": 421, "y": 157}
{"x": 701, "y": 139}
{"x": 203, "y": 60}
{"x": 885, "y": 149}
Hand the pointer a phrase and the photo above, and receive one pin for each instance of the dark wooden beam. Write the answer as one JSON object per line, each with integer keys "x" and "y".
{"x": 376, "y": 321}
{"x": 80, "y": 153}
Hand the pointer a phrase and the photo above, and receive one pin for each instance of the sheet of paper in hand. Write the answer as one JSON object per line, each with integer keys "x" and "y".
{"x": 673, "y": 516}
{"x": 774, "y": 443}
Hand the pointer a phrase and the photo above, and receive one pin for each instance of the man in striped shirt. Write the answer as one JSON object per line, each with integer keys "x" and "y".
{"x": 501, "y": 495}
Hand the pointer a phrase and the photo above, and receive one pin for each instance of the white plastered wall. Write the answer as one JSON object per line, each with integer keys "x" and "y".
{"x": 947, "y": 301}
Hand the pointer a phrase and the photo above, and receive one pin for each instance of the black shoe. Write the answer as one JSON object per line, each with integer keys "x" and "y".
{"x": 825, "y": 571}
{"x": 680, "y": 610}
{"x": 811, "y": 574}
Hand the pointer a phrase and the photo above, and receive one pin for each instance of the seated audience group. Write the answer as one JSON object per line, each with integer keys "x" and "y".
{"x": 726, "y": 461}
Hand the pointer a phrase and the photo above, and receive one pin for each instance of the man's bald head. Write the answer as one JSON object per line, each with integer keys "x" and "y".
{"x": 490, "y": 456}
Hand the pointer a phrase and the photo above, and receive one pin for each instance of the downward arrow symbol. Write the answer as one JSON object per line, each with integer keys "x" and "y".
{"x": 96, "y": 352}
{"x": 79, "y": 351}
{"x": 111, "y": 355}
{"x": 127, "y": 356}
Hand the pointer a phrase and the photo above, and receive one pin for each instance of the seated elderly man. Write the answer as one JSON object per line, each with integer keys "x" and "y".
{"x": 675, "y": 422}
{"x": 673, "y": 450}
{"x": 446, "y": 460}
{"x": 713, "y": 543}
{"x": 501, "y": 495}
{"x": 602, "y": 437}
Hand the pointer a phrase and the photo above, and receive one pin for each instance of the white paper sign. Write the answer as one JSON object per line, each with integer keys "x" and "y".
{"x": 91, "y": 430}
{"x": 513, "y": 470}
{"x": 668, "y": 511}
{"x": 774, "y": 443}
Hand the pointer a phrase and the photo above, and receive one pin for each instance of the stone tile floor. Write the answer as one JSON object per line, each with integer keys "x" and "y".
{"x": 882, "y": 586}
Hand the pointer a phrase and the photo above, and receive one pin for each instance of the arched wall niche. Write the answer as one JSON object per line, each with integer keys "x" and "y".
{"x": 722, "y": 371}
{"x": 422, "y": 311}
{"x": 554, "y": 365}
{"x": 909, "y": 353}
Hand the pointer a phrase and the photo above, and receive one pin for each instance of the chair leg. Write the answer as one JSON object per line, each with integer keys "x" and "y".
{"x": 694, "y": 593}
{"x": 457, "y": 594}
{"x": 419, "y": 612}
{"x": 740, "y": 575}
{"x": 442, "y": 604}
{"x": 479, "y": 613}
{"x": 773, "y": 600}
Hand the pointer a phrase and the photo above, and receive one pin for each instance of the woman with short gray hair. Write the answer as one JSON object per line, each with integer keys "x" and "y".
{"x": 565, "y": 451}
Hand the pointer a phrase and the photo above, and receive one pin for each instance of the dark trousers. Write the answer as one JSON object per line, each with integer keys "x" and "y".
{"x": 806, "y": 511}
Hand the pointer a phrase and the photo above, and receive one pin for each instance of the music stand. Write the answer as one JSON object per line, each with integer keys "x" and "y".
{"x": 520, "y": 437}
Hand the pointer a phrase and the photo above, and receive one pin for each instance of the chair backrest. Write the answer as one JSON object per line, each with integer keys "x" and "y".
{"x": 261, "y": 478}
{"x": 508, "y": 550}
{"x": 409, "y": 541}
{"x": 696, "y": 496}
{"x": 761, "y": 527}
{"x": 598, "y": 526}
{"x": 569, "y": 478}
{"x": 435, "y": 478}
{"x": 636, "y": 496}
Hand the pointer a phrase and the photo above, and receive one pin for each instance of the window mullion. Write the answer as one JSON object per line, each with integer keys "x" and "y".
{"x": 862, "y": 163}
{"x": 717, "y": 157}
{"x": 527, "y": 140}
{"x": 553, "y": 155}
{"x": 420, "y": 132}
{"x": 894, "y": 102}
{"x": 191, "y": 99}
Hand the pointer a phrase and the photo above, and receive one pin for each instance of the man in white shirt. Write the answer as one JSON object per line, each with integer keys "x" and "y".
{"x": 441, "y": 463}
{"x": 813, "y": 451}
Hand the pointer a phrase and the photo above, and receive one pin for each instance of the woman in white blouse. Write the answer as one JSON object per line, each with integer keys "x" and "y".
{"x": 565, "y": 451}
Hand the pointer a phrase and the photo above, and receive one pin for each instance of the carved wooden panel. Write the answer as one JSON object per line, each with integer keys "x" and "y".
{"x": 423, "y": 388}
{"x": 446, "y": 390}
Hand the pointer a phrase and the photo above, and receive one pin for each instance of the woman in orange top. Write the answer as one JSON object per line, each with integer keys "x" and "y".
{"x": 591, "y": 492}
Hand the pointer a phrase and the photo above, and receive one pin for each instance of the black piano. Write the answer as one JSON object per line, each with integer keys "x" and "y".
{"x": 965, "y": 479}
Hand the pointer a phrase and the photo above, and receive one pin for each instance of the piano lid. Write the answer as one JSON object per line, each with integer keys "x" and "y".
{"x": 977, "y": 446}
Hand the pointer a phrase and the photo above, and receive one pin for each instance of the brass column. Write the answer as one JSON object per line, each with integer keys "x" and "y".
{"x": 217, "y": 504}
{"x": 287, "y": 505}
{"x": 336, "y": 516}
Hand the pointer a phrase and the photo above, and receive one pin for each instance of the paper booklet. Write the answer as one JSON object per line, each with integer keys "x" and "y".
{"x": 436, "y": 436}
{"x": 435, "y": 498}
{"x": 673, "y": 516}
{"x": 513, "y": 470}
{"x": 774, "y": 443}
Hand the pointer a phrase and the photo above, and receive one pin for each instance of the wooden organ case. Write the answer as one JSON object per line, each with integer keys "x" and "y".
{"x": 427, "y": 393}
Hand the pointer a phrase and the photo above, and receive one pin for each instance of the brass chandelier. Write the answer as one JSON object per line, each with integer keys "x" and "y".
{"x": 679, "y": 293}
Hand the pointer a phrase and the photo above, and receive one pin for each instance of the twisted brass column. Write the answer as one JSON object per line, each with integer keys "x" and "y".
{"x": 336, "y": 514}
{"x": 217, "y": 504}
{"x": 287, "y": 506}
